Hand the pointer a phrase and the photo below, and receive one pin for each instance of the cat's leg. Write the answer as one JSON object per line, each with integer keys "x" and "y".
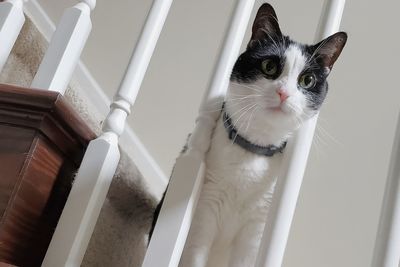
{"x": 246, "y": 244}
{"x": 201, "y": 237}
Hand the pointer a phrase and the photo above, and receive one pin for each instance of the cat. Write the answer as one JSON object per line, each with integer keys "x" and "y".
{"x": 276, "y": 84}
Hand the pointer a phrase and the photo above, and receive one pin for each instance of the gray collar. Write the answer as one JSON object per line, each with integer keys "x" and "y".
{"x": 233, "y": 135}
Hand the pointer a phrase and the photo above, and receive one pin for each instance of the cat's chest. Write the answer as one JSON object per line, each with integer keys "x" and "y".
{"x": 231, "y": 166}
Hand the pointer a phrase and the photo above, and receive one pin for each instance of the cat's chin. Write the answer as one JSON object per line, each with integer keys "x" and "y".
{"x": 284, "y": 120}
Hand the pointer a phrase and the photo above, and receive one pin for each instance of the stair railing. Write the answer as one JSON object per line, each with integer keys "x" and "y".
{"x": 99, "y": 164}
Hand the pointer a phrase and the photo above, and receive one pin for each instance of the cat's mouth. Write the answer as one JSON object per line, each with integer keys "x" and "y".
{"x": 282, "y": 108}
{"x": 279, "y": 108}
{"x": 276, "y": 109}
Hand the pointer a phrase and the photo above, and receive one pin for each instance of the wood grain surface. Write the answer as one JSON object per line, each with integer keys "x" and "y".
{"x": 42, "y": 142}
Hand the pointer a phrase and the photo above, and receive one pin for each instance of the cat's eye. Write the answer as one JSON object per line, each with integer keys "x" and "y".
{"x": 307, "y": 81}
{"x": 269, "y": 67}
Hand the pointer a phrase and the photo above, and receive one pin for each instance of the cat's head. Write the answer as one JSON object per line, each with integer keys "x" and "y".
{"x": 277, "y": 83}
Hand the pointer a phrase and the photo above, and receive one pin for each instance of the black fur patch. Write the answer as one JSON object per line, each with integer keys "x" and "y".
{"x": 247, "y": 68}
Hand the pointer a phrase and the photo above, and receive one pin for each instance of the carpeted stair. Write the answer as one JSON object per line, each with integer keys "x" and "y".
{"x": 120, "y": 235}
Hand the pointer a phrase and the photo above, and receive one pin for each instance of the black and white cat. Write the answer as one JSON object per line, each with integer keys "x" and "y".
{"x": 276, "y": 84}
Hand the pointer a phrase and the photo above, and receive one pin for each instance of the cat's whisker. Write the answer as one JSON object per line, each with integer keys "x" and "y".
{"x": 244, "y": 121}
{"x": 296, "y": 109}
{"x": 319, "y": 138}
{"x": 251, "y": 116}
{"x": 237, "y": 101}
{"x": 244, "y": 111}
{"x": 318, "y": 145}
{"x": 230, "y": 105}
{"x": 253, "y": 87}
{"x": 242, "y": 95}
{"x": 297, "y": 112}
{"x": 238, "y": 111}
{"x": 217, "y": 102}
{"x": 326, "y": 134}
{"x": 234, "y": 124}
{"x": 235, "y": 105}
{"x": 297, "y": 120}
{"x": 234, "y": 102}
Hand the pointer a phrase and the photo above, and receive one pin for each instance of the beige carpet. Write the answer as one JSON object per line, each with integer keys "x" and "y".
{"x": 120, "y": 236}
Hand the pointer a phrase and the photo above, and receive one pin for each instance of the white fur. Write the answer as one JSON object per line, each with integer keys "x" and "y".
{"x": 238, "y": 187}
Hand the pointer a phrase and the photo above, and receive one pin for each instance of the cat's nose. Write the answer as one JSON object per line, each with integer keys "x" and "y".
{"x": 283, "y": 95}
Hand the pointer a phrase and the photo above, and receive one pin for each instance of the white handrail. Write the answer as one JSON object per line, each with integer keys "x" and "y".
{"x": 387, "y": 244}
{"x": 11, "y": 21}
{"x": 287, "y": 189}
{"x": 174, "y": 220}
{"x": 92, "y": 182}
{"x": 65, "y": 48}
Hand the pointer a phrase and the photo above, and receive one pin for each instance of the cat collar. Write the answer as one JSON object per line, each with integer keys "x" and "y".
{"x": 233, "y": 135}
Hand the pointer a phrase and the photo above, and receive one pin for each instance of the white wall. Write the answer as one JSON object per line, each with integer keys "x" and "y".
{"x": 337, "y": 213}
{"x": 338, "y": 209}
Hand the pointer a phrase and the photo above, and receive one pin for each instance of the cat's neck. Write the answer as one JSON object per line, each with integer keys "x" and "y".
{"x": 256, "y": 129}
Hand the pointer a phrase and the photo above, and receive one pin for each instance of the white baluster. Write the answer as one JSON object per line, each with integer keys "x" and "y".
{"x": 11, "y": 21}
{"x": 174, "y": 220}
{"x": 287, "y": 189}
{"x": 65, "y": 48}
{"x": 387, "y": 244}
{"x": 92, "y": 182}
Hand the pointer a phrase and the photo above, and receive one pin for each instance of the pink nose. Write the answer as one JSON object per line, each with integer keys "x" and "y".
{"x": 283, "y": 95}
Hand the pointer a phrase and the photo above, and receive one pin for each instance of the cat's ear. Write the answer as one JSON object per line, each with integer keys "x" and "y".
{"x": 265, "y": 24}
{"x": 329, "y": 49}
